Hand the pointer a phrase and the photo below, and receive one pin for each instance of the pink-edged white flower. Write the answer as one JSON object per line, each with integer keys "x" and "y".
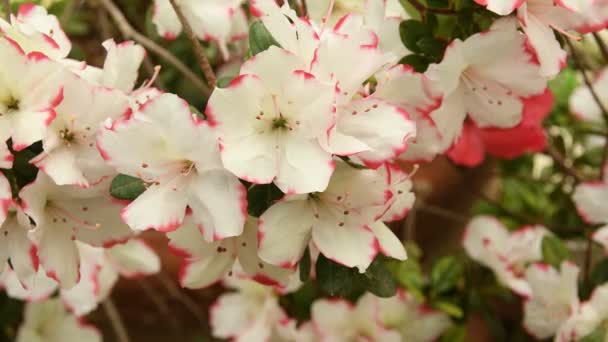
{"x": 340, "y": 320}
{"x": 591, "y": 200}
{"x": 64, "y": 215}
{"x": 271, "y": 120}
{"x": 345, "y": 56}
{"x": 553, "y": 298}
{"x": 528, "y": 136}
{"x": 99, "y": 269}
{"x": 413, "y": 92}
{"x": 14, "y": 242}
{"x": 582, "y": 103}
{"x": 70, "y": 154}
{"x": 488, "y": 241}
{"x": 591, "y": 315}
{"x": 205, "y": 263}
{"x": 376, "y": 17}
{"x": 30, "y": 89}
{"x": 415, "y": 321}
{"x": 49, "y": 321}
{"x": 487, "y": 76}
{"x": 36, "y": 30}
{"x": 403, "y": 198}
{"x": 252, "y": 313}
{"x": 538, "y": 18}
{"x": 177, "y": 155}
{"x": 218, "y": 21}
{"x": 341, "y": 221}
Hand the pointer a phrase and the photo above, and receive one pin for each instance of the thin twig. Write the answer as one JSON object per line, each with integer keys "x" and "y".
{"x": 559, "y": 160}
{"x": 604, "y": 50}
{"x": 443, "y": 213}
{"x": 117, "y": 324}
{"x": 601, "y": 44}
{"x": 579, "y": 66}
{"x": 6, "y": 4}
{"x": 188, "y": 303}
{"x": 158, "y": 301}
{"x": 130, "y": 33}
{"x": 199, "y": 53}
{"x": 588, "y": 257}
{"x": 409, "y": 225}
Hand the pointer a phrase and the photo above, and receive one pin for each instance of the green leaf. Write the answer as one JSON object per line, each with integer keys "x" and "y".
{"x": 411, "y": 31}
{"x": 418, "y": 62}
{"x": 126, "y": 187}
{"x": 305, "y": 266}
{"x": 259, "y": 38}
{"x": 554, "y": 251}
{"x": 379, "y": 280}
{"x": 456, "y": 333}
{"x": 563, "y": 85}
{"x": 449, "y": 308}
{"x": 408, "y": 274}
{"x": 431, "y": 47}
{"x": 333, "y": 278}
{"x": 445, "y": 275}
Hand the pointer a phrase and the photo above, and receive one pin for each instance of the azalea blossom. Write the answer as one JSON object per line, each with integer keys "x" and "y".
{"x": 49, "y": 321}
{"x": 403, "y": 87}
{"x": 414, "y": 321}
{"x": 553, "y": 298}
{"x": 70, "y": 154}
{"x": 14, "y": 242}
{"x": 528, "y": 136}
{"x": 29, "y": 92}
{"x": 583, "y": 105}
{"x": 591, "y": 200}
{"x": 488, "y": 242}
{"x": 487, "y": 76}
{"x": 208, "y": 262}
{"x": 340, "y": 320}
{"x": 342, "y": 221}
{"x": 99, "y": 269}
{"x": 252, "y": 313}
{"x": 177, "y": 156}
{"x": 64, "y": 215}
{"x": 218, "y": 21}
{"x": 270, "y": 123}
{"x": 36, "y": 30}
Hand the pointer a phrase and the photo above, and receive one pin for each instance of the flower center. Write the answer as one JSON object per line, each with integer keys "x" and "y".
{"x": 67, "y": 136}
{"x": 11, "y": 104}
{"x": 279, "y": 123}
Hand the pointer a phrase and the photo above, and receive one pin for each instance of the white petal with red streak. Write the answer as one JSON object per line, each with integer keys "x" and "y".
{"x": 134, "y": 258}
{"x": 389, "y": 243}
{"x": 591, "y": 200}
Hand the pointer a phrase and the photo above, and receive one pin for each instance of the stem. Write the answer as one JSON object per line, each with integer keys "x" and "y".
{"x": 199, "y": 53}
{"x": 559, "y": 160}
{"x": 423, "y": 9}
{"x": 588, "y": 257}
{"x": 6, "y": 4}
{"x": 188, "y": 303}
{"x": 579, "y": 66}
{"x": 442, "y": 212}
{"x": 115, "y": 320}
{"x": 130, "y": 33}
{"x": 601, "y": 44}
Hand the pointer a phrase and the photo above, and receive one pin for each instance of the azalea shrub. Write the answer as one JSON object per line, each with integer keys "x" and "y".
{"x": 278, "y": 149}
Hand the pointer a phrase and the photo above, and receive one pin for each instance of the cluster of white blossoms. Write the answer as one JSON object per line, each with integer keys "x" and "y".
{"x": 325, "y": 116}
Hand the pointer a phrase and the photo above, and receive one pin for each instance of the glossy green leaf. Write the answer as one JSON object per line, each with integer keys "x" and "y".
{"x": 260, "y": 39}
{"x": 126, "y": 187}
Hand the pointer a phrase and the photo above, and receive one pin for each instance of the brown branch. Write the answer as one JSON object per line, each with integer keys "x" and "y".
{"x": 6, "y": 4}
{"x": 115, "y": 320}
{"x": 602, "y": 45}
{"x": 423, "y": 9}
{"x": 199, "y": 53}
{"x": 588, "y": 257}
{"x": 176, "y": 293}
{"x": 130, "y": 33}
{"x": 559, "y": 160}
